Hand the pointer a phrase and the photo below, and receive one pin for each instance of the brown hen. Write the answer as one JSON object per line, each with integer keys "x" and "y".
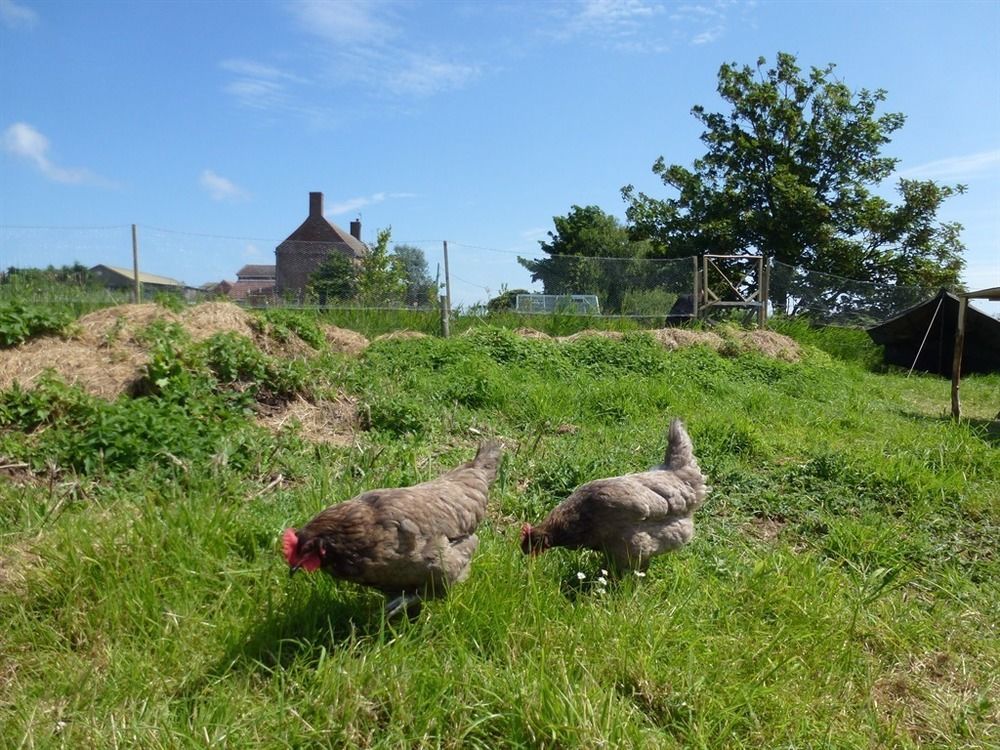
{"x": 630, "y": 518}
{"x": 408, "y": 542}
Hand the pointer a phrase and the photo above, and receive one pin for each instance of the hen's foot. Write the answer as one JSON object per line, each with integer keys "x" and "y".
{"x": 408, "y": 604}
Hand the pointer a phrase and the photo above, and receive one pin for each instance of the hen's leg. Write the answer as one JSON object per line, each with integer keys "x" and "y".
{"x": 404, "y": 603}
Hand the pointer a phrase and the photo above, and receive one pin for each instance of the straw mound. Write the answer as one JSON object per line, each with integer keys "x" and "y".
{"x": 770, "y": 344}
{"x": 590, "y": 332}
{"x": 397, "y": 335}
{"x": 206, "y": 320}
{"x": 531, "y": 333}
{"x": 334, "y": 422}
{"x": 679, "y": 338}
{"x": 105, "y": 356}
{"x": 344, "y": 340}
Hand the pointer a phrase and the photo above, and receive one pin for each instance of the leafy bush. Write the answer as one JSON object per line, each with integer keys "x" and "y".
{"x": 280, "y": 323}
{"x": 19, "y": 322}
{"x": 89, "y": 434}
{"x": 235, "y": 360}
{"x": 396, "y": 414}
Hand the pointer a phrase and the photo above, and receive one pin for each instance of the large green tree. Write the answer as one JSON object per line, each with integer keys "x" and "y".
{"x": 382, "y": 280}
{"x": 379, "y": 278}
{"x": 336, "y": 279}
{"x": 791, "y": 171}
{"x": 421, "y": 290}
{"x": 591, "y": 252}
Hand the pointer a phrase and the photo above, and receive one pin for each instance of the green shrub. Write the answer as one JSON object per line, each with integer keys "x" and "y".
{"x": 20, "y": 322}
{"x": 396, "y": 414}
{"x": 280, "y": 323}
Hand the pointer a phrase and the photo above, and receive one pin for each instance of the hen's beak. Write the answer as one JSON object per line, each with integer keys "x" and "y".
{"x": 293, "y": 570}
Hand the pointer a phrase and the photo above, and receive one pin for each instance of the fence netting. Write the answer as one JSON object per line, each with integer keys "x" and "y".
{"x": 834, "y": 300}
{"x": 632, "y": 287}
{"x": 96, "y": 264}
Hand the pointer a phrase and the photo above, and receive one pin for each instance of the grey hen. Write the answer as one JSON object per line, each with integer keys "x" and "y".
{"x": 408, "y": 542}
{"x": 630, "y": 518}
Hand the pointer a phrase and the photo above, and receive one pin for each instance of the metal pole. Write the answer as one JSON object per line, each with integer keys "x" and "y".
{"x": 447, "y": 283}
{"x": 765, "y": 281}
{"x": 137, "y": 290}
{"x": 697, "y": 291}
{"x": 956, "y": 364}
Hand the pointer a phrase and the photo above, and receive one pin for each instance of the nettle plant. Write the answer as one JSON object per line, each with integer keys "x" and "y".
{"x": 19, "y": 322}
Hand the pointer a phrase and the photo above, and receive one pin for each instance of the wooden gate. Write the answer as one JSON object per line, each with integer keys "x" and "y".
{"x": 734, "y": 282}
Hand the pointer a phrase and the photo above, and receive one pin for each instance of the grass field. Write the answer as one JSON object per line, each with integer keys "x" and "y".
{"x": 841, "y": 590}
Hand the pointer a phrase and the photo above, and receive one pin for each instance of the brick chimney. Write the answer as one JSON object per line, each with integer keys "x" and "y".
{"x": 355, "y": 228}
{"x": 316, "y": 205}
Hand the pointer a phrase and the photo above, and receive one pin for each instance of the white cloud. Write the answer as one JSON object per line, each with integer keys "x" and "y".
{"x": 271, "y": 90}
{"x": 353, "y": 204}
{"x": 27, "y": 143}
{"x": 253, "y": 69}
{"x": 424, "y": 76}
{"x": 15, "y": 16}
{"x": 220, "y": 188}
{"x": 257, "y": 85}
{"x": 709, "y": 35}
{"x": 958, "y": 168}
{"x": 348, "y": 23}
{"x": 646, "y": 26}
{"x": 365, "y": 42}
{"x": 615, "y": 15}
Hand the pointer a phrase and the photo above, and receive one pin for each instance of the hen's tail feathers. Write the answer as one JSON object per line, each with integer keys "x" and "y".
{"x": 680, "y": 451}
{"x": 488, "y": 458}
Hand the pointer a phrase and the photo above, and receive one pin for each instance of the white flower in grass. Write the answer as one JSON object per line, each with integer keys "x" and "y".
{"x": 602, "y": 580}
{"x": 580, "y": 575}
{"x": 640, "y": 573}
{"x": 603, "y": 572}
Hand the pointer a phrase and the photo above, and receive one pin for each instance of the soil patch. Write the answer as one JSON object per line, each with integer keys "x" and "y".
{"x": 767, "y": 529}
{"x": 334, "y": 422}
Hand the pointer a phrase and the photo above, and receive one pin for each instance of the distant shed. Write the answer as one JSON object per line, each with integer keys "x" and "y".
{"x": 114, "y": 277}
{"x": 923, "y": 337}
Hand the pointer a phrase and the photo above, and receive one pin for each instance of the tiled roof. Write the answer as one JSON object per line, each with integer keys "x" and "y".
{"x": 256, "y": 272}
{"x": 145, "y": 278}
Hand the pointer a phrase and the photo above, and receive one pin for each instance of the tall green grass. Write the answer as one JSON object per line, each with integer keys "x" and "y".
{"x": 840, "y": 591}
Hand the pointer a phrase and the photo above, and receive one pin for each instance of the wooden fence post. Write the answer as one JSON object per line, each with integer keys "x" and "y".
{"x": 764, "y": 291}
{"x": 697, "y": 289}
{"x": 445, "y": 323}
{"x": 956, "y": 363}
{"x": 137, "y": 288}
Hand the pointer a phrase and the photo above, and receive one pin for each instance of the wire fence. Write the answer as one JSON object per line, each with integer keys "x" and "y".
{"x": 98, "y": 266}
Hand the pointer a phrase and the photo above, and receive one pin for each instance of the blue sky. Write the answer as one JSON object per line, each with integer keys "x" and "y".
{"x": 208, "y": 123}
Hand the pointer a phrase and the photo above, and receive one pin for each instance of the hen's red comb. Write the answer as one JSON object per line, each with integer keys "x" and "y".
{"x": 289, "y": 544}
